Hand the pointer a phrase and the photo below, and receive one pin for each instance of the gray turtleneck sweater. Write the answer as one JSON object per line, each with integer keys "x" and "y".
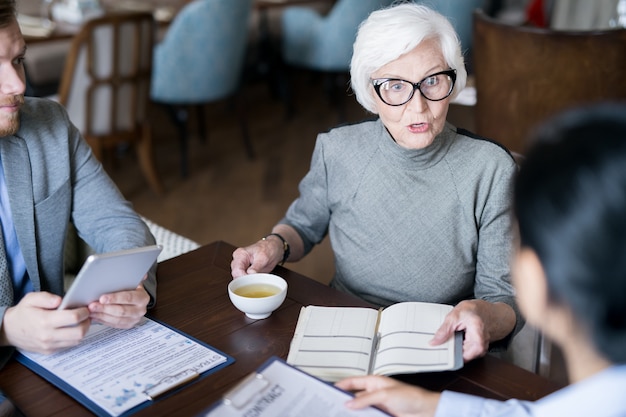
{"x": 430, "y": 224}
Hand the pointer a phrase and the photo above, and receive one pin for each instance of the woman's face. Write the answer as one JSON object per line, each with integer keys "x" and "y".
{"x": 414, "y": 125}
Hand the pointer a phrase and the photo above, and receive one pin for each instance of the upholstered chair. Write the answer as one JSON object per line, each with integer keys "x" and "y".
{"x": 323, "y": 43}
{"x": 460, "y": 14}
{"x": 524, "y": 75}
{"x": 201, "y": 60}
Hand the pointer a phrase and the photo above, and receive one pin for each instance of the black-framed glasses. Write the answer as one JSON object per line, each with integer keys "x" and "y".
{"x": 396, "y": 92}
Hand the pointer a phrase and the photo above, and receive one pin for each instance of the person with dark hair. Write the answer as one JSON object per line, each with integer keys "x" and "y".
{"x": 416, "y": 209}
{"x": 569, "y": 273}
{"x": 49, "y": 178}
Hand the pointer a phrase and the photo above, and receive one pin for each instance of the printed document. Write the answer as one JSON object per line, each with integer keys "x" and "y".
{"x": 115, "y": 370}
{"x": 280, "y": 390}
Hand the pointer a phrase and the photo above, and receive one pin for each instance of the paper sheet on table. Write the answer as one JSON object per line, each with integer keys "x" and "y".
{"x": 280, "y": 390}
{"x": 116, "y": 370}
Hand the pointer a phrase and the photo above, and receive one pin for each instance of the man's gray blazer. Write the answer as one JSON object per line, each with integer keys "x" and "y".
{"x": 53, "y": 178}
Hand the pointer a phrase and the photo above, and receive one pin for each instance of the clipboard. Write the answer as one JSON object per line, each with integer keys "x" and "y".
{"x": 144, "y": 395}
{"x": 276, "y": 387}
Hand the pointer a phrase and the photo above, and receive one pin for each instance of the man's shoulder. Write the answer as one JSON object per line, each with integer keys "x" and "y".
{"x": 40, "y": 114}
{"x": 44, "y": 126}
{"x": 37, "y": 107}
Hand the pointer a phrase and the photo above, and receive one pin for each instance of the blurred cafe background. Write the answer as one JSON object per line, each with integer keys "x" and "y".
{"x": 224, "y": 98}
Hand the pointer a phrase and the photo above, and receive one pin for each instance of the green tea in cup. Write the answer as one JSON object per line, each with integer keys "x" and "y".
{"x": 257, "y": 295}
{"x": 257, "y": 290}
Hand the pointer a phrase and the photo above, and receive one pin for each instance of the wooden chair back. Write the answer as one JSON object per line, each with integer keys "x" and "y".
{"x": 106, "y": 84}
{"x": 524, "y": 75}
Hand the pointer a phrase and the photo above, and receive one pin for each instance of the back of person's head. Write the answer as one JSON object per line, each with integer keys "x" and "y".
{"x": 570, "y": 203}
{"x": 391, "y": 32}
{"x": 7, "y": 12}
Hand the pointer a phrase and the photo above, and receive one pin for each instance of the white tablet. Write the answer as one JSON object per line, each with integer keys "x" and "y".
{"x": 109, "y": 272}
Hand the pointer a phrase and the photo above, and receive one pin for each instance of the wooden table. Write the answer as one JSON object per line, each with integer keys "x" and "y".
{"x": 164, "y": 12}
{"x": 192, "y": 297}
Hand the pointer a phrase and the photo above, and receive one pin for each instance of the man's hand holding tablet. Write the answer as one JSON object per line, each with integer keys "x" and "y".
{"x": 109, "y": 273}
{"x": 108, "y": 289}
{"x": 110, "y": 286}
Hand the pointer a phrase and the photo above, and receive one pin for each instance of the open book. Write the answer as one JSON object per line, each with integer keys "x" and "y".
{"x": 332, "y": 343}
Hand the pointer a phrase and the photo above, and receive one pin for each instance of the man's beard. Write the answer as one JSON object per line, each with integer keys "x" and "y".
{"x": 10, "y": 123}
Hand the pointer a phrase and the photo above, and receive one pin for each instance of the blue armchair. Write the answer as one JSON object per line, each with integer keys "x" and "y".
{"x": 200, "y": 60}
{"x": 324, "y": 43}
{"x": 459, "y": 12}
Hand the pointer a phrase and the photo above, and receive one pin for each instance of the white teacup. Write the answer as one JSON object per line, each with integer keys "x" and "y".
{"x": 257, "y": 295}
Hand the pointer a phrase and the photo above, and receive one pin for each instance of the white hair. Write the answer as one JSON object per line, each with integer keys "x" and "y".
{"x": 391, "y": 32}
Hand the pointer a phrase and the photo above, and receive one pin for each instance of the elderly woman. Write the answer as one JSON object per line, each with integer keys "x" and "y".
{"x": 570, "y": 199}
{"x": 416, "y": 209}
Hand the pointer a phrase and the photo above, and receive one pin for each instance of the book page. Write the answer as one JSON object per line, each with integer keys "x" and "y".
{"x": 405, "y": 331}
{"x": 333, "y": 342}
